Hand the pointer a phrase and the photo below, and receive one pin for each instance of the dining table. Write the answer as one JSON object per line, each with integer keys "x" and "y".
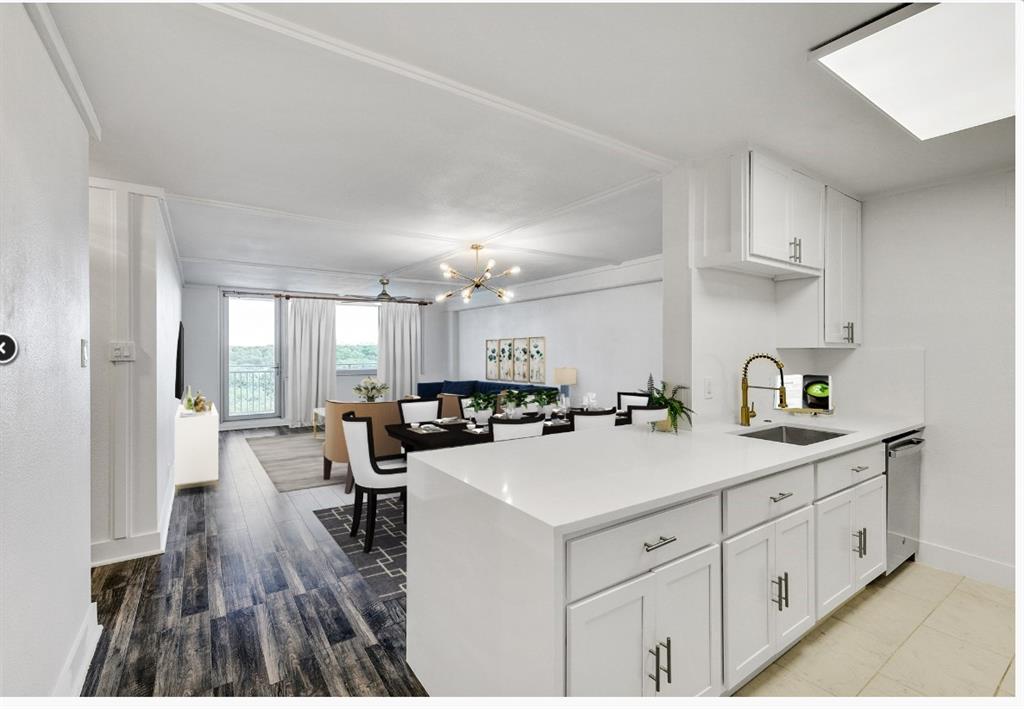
{"x": 455, "y": 433}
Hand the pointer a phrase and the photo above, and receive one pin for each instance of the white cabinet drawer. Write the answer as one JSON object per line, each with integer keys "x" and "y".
{"x": 758, "y": 501}
{"x": 611, "y": 555}
{"x": 848, "y": 469}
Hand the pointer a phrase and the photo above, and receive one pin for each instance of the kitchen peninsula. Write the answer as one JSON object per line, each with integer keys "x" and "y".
{"x": 631, "y": 563}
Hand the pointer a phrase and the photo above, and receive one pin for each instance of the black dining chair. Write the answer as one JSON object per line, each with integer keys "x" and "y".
{"x": 371, "y": 476}
{"x": 419, "y": 411}
{"x": 589, "y": 419}
{"x": 503, "y": 429}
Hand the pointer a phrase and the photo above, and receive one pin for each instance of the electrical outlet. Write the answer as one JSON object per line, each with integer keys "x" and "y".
{"x": 122, "y": 351}
{"x": 707, "y": 388}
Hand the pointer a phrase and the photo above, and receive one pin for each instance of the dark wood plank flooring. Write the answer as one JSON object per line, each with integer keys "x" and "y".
{"x": 251, "y": 598}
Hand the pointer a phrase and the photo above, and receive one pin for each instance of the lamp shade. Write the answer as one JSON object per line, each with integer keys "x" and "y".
{"x": 565, "y": 375}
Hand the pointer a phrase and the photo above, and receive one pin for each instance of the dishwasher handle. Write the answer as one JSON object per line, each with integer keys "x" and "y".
{"x": 906, "y": 447}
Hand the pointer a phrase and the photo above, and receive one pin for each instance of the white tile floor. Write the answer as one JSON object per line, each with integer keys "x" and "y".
{"x": 919, "y": 632}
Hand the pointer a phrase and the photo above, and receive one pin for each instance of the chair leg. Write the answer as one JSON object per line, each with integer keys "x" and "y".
{"x": 371, "y": 521}
{"x": 349, "y": 480}
{"x": 357, "y": 512}
{"x": 327, "y": 468}
{"x": 405, "y": 506}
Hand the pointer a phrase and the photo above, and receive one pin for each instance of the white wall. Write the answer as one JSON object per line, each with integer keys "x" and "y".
{"x": 612, "y": 337}
{"x": 136, "y": 296}
{"x": 938, "y": 274}
{"x": 48, "y": 626}
{"x": 201, "y": 313}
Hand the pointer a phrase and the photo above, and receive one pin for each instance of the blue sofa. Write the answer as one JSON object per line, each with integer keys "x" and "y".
{"x": 430, "y": 390}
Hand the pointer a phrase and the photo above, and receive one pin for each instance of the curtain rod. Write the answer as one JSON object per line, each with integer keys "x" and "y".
{"x": 289, "y": 295}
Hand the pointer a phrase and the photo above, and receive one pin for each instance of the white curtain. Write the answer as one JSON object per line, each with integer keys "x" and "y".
{"x": 311, "y": 363}
{"x": 398, "y": 358}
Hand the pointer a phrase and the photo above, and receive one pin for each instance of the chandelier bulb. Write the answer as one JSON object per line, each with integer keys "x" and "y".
{"x": 514, "y": 270}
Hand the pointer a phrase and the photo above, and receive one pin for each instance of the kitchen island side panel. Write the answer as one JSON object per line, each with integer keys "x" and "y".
{"x": 485, "y": 592}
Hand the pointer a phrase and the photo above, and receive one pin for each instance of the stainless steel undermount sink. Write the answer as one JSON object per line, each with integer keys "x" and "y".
{"x": 794, "y": 435}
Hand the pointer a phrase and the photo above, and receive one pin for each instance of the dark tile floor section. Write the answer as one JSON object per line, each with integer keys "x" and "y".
{"x": 384, "y": 567}
{"x": 252, "y": 598}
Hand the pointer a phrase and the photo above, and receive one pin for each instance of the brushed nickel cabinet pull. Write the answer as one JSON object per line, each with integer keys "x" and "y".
{"x": 859, "y": 468}
{"x": 668, "y": 657}
{"x": 780, "y": 497}
{"x": 860, "y": 544}
{"x": 864, "y": 542}
{"x": 662, "y": 541}
{"x": 779, "y": 600}
{"x": 799, "y": 250}
{"x": 785, "y": 585}
{"x": 657, "y": 667}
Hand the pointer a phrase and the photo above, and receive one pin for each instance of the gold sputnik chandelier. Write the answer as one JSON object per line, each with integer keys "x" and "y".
{"x": 481, "y": 281}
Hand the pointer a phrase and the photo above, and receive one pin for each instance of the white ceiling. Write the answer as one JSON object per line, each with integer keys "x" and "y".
{"x": 317, "y": 155}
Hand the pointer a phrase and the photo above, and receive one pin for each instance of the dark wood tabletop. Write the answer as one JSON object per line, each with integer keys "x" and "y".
{"x": 455, "y": 434}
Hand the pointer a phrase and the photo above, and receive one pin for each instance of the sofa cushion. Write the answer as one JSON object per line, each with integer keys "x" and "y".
{"x": 464, "y": 388}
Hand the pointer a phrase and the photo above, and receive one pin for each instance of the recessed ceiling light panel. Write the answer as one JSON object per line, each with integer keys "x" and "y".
{"x": 935, "y": 69}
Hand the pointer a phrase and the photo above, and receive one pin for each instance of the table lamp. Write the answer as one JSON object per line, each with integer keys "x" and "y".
{"x": 565, "y": 377}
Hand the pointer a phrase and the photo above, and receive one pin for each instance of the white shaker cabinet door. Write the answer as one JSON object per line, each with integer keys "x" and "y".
{"x": 769, "y": 209}
{"x": 869, "y": 509}
{"x": 608, "y": 638}
{"x": 748, "y": 562}
{"x": 836, "y": 541}
{"x": 688, "y": 624}
{"x": 842, "y": 296}
{"x": 807, "y": 218}
{"x": 794, "y": 575}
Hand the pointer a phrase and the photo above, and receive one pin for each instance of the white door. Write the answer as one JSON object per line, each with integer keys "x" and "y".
{"x": 869, "y": 518}
{"x": 842, "y": 268}
{"x": 806, "y": 219}
{"x": 836, "y": 544}
{"x": 794, "y": 575}
{"x": 769, "y": 209}
{"x": 749, "y": 614}
{"x": 608, "y": 638}
{"x": 687, "y": 620}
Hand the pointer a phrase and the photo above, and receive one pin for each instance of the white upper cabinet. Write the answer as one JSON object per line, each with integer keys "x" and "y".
{"x": 757, "y": 215}
{"x": 842, "y": 287}
{"x": 826, "y": 312}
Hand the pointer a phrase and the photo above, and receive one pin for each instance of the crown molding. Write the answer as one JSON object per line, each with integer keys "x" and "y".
{"x": 281, "y": 214}
{"x": 312, "y": 37}
{"x": 42, "y": 19}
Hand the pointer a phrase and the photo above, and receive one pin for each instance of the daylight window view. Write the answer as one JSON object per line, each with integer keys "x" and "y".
{"x": 355, "y": 332}
{"x": 252, "y": 357}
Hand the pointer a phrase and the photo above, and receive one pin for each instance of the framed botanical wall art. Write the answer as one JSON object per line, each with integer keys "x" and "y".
{"x": 491, "y": 358}
{"x": 521, "y": 359}
{"x": 538, "y": 361}
{"x": 505, "y": 360}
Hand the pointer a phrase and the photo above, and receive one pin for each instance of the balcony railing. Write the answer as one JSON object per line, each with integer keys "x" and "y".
{"x": 356, "y": 366}
{"x": 252, "y": 391}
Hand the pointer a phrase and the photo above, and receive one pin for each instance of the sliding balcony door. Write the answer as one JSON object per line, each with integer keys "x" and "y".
{"x": 251, "y": 355}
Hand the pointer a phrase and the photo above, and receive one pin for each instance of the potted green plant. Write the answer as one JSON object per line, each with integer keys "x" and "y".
{"x": 546, "y": 400}
{"x": 483, "y": 406}
{"x": 515, "y": 399}
{"x": 676, "y": 408}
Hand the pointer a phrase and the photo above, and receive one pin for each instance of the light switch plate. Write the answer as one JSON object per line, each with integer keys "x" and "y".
{"x": 85, "y": 353}
{"x": 707, "y": 387}
{"x": 122, "y": 351}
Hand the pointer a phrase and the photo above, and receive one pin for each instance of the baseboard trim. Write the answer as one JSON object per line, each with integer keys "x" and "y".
{"x": 973, "y": 566}
{"x": 72, "y": 675}
{"x": 165, "y": 514}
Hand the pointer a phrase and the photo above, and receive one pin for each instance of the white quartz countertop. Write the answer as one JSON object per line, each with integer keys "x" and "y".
{"x": 574, "y": 481}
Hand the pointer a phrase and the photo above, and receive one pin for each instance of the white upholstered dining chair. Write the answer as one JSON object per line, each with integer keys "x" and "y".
{"x": 371, "y": 476}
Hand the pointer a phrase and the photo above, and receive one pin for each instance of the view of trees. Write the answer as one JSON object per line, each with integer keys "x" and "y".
{"x": 251, "y": 382}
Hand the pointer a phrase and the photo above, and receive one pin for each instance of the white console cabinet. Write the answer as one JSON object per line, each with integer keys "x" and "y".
{"x": 196, "y": 443}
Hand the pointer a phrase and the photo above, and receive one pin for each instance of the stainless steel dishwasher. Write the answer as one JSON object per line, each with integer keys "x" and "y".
{"x": 903, "y": 502}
